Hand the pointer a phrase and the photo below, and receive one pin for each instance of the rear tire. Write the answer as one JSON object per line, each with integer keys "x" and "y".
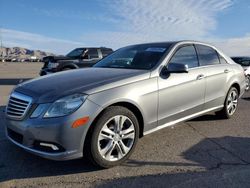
{"x": 230, "y": 104}
{"x": 113, "y": 137}
{"x": 248, "y": 82}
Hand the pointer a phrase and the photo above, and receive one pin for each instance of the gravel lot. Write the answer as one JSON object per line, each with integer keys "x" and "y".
{"x": 204, "y": 152}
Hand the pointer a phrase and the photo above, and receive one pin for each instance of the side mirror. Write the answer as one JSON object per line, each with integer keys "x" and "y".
{"x": 175, "y": 68}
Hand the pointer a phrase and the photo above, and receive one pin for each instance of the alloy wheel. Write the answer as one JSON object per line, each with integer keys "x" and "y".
{"x": 247, "y": 83}
{"x": 116, "y": 138}
{"x": 232, "y": 102}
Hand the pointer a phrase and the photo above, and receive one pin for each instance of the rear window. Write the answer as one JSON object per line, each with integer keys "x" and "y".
{"x": 92, "y": 53}
{"x": 222, "y": 60}
{"x": 207, "y": 55}
{"x": 106, "y": 51}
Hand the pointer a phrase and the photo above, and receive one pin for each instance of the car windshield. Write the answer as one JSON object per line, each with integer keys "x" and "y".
{"x": 143, "y": 56}
{"x": 76, "y": 52}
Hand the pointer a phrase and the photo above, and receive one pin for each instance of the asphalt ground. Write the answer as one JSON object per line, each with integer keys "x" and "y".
{"x": 204, "y": 152}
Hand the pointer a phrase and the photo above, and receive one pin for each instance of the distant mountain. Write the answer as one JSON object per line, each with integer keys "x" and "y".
{"x": 22, "y": 53}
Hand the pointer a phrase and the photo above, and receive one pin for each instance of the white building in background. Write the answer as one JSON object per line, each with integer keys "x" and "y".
{"x": 33, "y": 58}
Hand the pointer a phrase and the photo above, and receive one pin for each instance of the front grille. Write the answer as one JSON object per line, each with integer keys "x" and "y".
{"x": 15, "y": 136}
{"x": 18, "y": 105}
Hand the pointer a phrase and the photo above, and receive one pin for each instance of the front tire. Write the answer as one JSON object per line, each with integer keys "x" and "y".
{"x": 114, "y": 137}
{"x": 66, "y": 69}
{"x": 230, "y": 104}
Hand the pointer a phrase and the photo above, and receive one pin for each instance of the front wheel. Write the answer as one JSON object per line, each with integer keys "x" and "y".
{"x": 66, "y": 69}
{"x": 230, "y": 105}
{"x": 114, "y": 137}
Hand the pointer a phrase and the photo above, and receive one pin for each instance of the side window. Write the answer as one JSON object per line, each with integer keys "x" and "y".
{"x": 92, "y": 53}
{"x": 186, "y": 55}
{"x": 222, "y": 60}
{"x": 207, "y": 55}
{"x": 106, "y": 52}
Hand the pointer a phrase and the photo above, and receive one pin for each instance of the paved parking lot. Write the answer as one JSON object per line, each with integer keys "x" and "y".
{"x": 204, "y": 152}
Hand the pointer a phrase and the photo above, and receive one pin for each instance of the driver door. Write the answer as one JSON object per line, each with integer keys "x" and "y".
{"x": 181, "y": 94}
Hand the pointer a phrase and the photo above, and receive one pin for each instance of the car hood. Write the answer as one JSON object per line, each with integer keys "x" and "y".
{"x": 89, "y": 80}
{"x": 56, "y": 58}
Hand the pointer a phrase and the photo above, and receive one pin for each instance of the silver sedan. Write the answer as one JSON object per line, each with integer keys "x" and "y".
{"x": 101, "y": 112}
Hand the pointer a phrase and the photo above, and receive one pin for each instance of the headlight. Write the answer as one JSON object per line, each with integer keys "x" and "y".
{"x": 52, "y": 65}
{"x": 40, "y": 109}
{"x": 65, "y": 106}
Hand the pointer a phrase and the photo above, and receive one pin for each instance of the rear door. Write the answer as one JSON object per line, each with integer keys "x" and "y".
{"x": 181, "y": 94}
{"x": 217, "y": 71}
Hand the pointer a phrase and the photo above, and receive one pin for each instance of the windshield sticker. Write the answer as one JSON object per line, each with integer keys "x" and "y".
{"x": 155, "y": 49}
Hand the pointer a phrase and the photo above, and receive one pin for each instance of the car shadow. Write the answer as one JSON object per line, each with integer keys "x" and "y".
{"x": 209, "y": 179}
{"x": 231, "y": 154}
{"x": 246, "y": 98}
{"x": 207, "y": 117}
{"x": 209, "y": 153}
{"x": 12, "y": 81}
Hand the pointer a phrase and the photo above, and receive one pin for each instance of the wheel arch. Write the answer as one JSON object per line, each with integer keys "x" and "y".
{"x": 132, "y": 107}
{"x": 71, "y": 66}
{"x": 237, "y": 86}
{"x": 136, "y": 111}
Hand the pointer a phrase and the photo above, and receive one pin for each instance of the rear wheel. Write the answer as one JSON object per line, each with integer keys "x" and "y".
{"x": 248, "y": 83}
{"x": 230, "y": 105}
{"x": 114, "y": 137}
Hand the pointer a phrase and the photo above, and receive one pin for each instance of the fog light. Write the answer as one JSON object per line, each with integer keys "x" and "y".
{"x": 54, "y": 147}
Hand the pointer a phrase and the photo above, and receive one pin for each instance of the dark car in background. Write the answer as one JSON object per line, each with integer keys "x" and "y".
{"x": 245, "y": 63}
{"x": 77, "y": 58}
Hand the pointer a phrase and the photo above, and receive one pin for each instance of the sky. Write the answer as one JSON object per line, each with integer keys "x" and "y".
{"x": 58, "y": 26}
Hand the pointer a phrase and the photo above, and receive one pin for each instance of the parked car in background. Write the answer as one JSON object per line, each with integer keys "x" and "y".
{"x": 245, "y": 63}
{"x": 100, "y": 112}
{"x": 78, "y": 58}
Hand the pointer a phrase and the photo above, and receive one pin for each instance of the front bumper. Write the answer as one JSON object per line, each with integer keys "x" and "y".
{"x": 28, "y": 132}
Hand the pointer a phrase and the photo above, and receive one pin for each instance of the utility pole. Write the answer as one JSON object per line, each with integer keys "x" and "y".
{"x": 1, "y": 49}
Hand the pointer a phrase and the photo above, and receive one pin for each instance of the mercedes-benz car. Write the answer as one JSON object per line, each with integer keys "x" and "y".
{"x": 102, "y": 111}
{"x": 245, "y": 63}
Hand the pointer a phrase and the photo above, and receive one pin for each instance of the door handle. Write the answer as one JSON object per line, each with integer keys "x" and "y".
{"x": 200, "y": 77}
{"x": 226, "y": 71}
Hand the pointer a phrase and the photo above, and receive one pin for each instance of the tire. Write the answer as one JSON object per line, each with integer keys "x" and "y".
{"x": 248, "y": 82}
{"x": 230, "y": 104}
{"x": 108, "y": 145}
{"x": 66, "y": 69}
